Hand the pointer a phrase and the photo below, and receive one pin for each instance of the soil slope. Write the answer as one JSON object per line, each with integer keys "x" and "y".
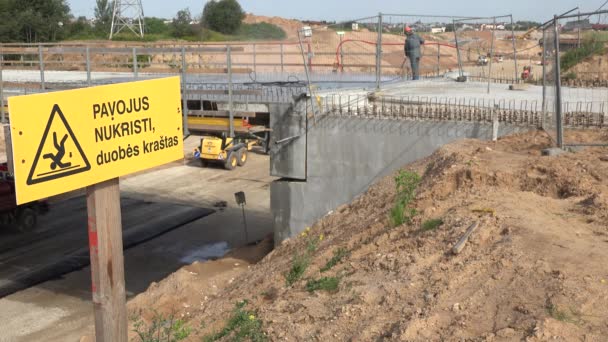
{"x": 535, "y": 270}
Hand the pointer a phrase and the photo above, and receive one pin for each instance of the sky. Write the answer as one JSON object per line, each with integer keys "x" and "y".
{"x": 537, "y": 10}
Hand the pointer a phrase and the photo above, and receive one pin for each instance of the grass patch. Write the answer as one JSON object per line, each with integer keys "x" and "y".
{"x": 299, "y": 265}
{"x": 592, "y": 45}
{"x": 300, "y": 262}
{"x": 567, "y": 316}
{"x": 339, "y": 254}
{"x": 431, "y": 225}
{"x": 165, "y": 329}
{"x": 243, "y": 325}
{"x": 406, "y": 183}
{"x": 264, "y": 31}
{"x": 329, "y": 284}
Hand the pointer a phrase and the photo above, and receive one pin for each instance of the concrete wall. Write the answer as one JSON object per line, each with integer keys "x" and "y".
{"x": 344, "y": 156}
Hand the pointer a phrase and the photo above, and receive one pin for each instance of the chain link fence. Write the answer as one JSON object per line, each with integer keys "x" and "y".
{"x": 487, "y": 50}
{"x": 574, "y": 87}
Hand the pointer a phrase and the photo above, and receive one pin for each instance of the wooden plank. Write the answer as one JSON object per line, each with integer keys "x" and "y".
{"x": 107, "y": 261}
{"x": 221, "y": 113}
{"x": 458, "y": 247}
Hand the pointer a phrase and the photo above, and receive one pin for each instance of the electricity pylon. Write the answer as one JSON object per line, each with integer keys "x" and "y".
{"x": 128, "y": 14}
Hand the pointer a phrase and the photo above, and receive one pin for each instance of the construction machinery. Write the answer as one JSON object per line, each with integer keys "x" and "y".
{"x": 24, "y": 217}
{"x": 218, "y": 147}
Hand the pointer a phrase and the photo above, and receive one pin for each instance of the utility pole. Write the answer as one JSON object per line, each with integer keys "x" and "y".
{"x": 128, "y": 14}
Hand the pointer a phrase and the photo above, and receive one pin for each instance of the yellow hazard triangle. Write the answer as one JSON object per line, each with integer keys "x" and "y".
{"x": 59, "y": 154}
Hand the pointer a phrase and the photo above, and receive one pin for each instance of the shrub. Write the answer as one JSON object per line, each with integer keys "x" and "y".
{"x": 591, "y": 46}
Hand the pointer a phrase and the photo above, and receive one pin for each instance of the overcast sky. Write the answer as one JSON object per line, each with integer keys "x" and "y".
{"x": 538, "y": 10}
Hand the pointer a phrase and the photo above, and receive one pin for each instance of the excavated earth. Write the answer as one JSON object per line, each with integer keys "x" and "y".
{"x": 536, "y": 269}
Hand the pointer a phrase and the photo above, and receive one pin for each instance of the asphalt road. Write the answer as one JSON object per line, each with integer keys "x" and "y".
{"x": 60, "y": 309}
{"x": 59, "y": 244}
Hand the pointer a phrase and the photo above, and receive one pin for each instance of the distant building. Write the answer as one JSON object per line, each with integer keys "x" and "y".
{"x": 438, "y": 29}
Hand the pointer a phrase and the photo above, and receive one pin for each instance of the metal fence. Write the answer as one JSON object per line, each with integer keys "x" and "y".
{"x": 486, "y": 48}
{"x": 573, "y": 67}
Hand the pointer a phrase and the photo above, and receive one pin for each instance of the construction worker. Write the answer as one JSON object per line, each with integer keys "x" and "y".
{"x": 412, "y": 51}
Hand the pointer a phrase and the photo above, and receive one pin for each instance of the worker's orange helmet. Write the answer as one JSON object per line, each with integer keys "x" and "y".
{"x": 407, "y": 29}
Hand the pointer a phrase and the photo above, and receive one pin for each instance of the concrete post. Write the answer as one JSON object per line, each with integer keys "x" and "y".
{"x": 379, "y": 53}
{"x": 41, "y": 61}
{"x": 558, "y": 88}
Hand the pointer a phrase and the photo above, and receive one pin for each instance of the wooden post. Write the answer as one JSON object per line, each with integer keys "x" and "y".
{"x": 107, "y": 261}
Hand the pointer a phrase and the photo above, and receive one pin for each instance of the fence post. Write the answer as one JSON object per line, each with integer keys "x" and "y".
{"x": 2, "y": 113}
{"x": 184, "y": 99}
{"x": 254, "y": 59}
{"x": 312, "y": 95}
{"x": 341, "y": 53}
{"x": 558, "y": 88}
{"x": 457, "y": 48}
{"x": 379, "y": 53}
{"x": 438, "y": 59}
{"x": 41, "y": 61}
{"x": 544, "y": 61}
{"x": 491, "y": 55}
{"x": 2, "y": 85}
{"x": 88, "y": 64}
{"x": 514, "y": 49}
{"x": 230, "y": 104}
{"x": 282, "y": 65}
{"x": 135, "y": 71}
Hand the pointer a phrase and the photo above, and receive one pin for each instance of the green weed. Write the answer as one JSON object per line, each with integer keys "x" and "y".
{"x": 243, "y": 325}
{"x": 406, "y": 183}
{"x": 568, "y": 316}
{"x": 431, "y": 225}
{"x": 339, "y": 254}
{"x": 161, "y": 329}
{"x": 329, "y": 284}
{"x": 299, "y": 265}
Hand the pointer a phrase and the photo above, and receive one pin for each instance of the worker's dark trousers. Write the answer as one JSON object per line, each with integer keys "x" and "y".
{"x": 415, "y": 62}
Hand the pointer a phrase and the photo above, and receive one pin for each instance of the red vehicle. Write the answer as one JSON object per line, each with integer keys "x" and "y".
{"x": 23, "y": 217}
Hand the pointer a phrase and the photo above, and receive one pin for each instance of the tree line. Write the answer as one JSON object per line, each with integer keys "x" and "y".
{"x": 34, "y": 21}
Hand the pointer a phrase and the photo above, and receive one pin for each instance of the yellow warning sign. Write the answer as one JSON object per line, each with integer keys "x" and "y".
{"x": 63, "y": 141}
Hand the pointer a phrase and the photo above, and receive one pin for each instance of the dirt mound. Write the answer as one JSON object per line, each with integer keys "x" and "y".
{"x": 290, "y": 26}
{"x": 534, "y": 270}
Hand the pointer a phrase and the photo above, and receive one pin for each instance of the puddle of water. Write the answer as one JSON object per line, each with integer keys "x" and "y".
{"x": 211, "y": 251}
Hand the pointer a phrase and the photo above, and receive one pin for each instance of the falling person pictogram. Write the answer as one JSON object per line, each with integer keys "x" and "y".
{"x": 56, "y": 158}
